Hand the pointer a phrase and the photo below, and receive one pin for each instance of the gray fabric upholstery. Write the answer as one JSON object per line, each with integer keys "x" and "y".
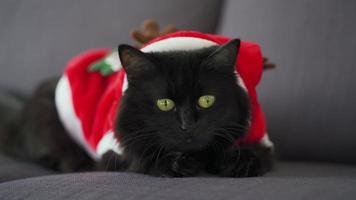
{"x": 309, "y": 99}
{"x": 312, "y": 169}
{"x": 295, "y": 182}
{"x": 38, "y": 37}
{"x": 11, "y": 169}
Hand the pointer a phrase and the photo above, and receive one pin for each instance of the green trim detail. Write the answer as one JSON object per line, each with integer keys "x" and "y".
{"x": 104, "y": 68}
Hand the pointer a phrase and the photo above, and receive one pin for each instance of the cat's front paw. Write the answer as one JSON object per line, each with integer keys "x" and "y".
{"x": 185, "y": 165}
{"x": 242, "y": 164}
{"x": 179, "y": 164}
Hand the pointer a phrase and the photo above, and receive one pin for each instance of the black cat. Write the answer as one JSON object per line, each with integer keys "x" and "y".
{"x": 180, "y": 116}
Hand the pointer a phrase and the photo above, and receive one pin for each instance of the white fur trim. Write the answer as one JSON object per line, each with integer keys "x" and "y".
{"x": 178, "y": 43}
{"x": 70, "y": 121}
{"x": 114, "y": 61}
{"x": 240, "y": 82}
{"x": 266, "y": 142}
{"x": 107, "y": 143}
{"x": 125, "y": 85}
{"x": 181, "y": 43}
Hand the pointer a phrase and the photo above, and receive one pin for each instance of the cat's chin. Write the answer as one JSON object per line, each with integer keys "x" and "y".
{"x": 187, "y": 146}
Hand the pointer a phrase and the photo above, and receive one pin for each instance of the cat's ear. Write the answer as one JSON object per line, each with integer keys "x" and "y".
{"x": 224, "y": 57}
{"x": 135, "y": 62}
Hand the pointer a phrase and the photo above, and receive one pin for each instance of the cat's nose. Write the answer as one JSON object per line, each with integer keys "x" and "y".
{"x": 187, "y": 120}
{"x": 185, "y": 127}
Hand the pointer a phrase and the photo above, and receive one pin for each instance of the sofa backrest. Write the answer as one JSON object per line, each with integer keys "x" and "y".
{"x": 38, "y": 37}
{"x": 310, "y": 98}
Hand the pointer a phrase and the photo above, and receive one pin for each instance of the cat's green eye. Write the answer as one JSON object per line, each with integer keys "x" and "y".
{"x": 165, "y": 104}
{"x": 206, "y": 101}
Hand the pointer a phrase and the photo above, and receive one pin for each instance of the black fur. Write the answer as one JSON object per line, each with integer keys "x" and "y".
{"x": 37, "y": 135}
{"x": 185, "y": 141}
{"x": 155, "y": 142}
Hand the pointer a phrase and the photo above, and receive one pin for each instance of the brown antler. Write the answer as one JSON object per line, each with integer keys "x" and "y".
{"x": 267, "y": 65}
{"x": 149, "y": 31}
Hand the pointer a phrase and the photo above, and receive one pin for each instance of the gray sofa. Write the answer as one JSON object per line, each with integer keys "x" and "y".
{"x": 308, "y": 100}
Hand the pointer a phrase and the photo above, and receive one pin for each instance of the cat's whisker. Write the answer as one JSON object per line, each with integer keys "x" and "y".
{"x": 225, "y": 141}
{"x": 224, "y": 133}
{"x": 115, "y": 159}
{"x": 225, "y": 136}
{"x": 232, "y": 129}
{"x": 228, "y": 133}
{"x": 127, "y": 139}
{"x": 161, "y": 149}
{"x": 148, "y": 147}
{"x": 137, "y": 141}
{"x": 235, "y": 127}
{"x": 222, "y": 150}
{"x": 239, "y": 153}
{"x": 137, "y": 138}
{"x": 235, "y": 124}
{"x": 108, "y": 162}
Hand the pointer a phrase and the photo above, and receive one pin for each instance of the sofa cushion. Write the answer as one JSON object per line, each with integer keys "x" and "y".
{"x": 37, "y": 38}
{"x": 11, "y": 169}
{"x": 289, "y": 181}
{"x": 309, "y": 99}
{"x": 295, "y": 169}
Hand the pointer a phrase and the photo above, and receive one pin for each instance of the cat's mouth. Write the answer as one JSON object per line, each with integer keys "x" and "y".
{"x": 189, "y": 143}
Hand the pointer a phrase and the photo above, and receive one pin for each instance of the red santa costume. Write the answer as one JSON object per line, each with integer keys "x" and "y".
{"x": 89, "y": 92}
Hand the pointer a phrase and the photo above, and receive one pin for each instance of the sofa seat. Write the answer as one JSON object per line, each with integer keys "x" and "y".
{"x": 290, "y": 180}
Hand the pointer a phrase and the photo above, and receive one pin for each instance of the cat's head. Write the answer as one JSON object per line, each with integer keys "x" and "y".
{"x": 182, "y": 100}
